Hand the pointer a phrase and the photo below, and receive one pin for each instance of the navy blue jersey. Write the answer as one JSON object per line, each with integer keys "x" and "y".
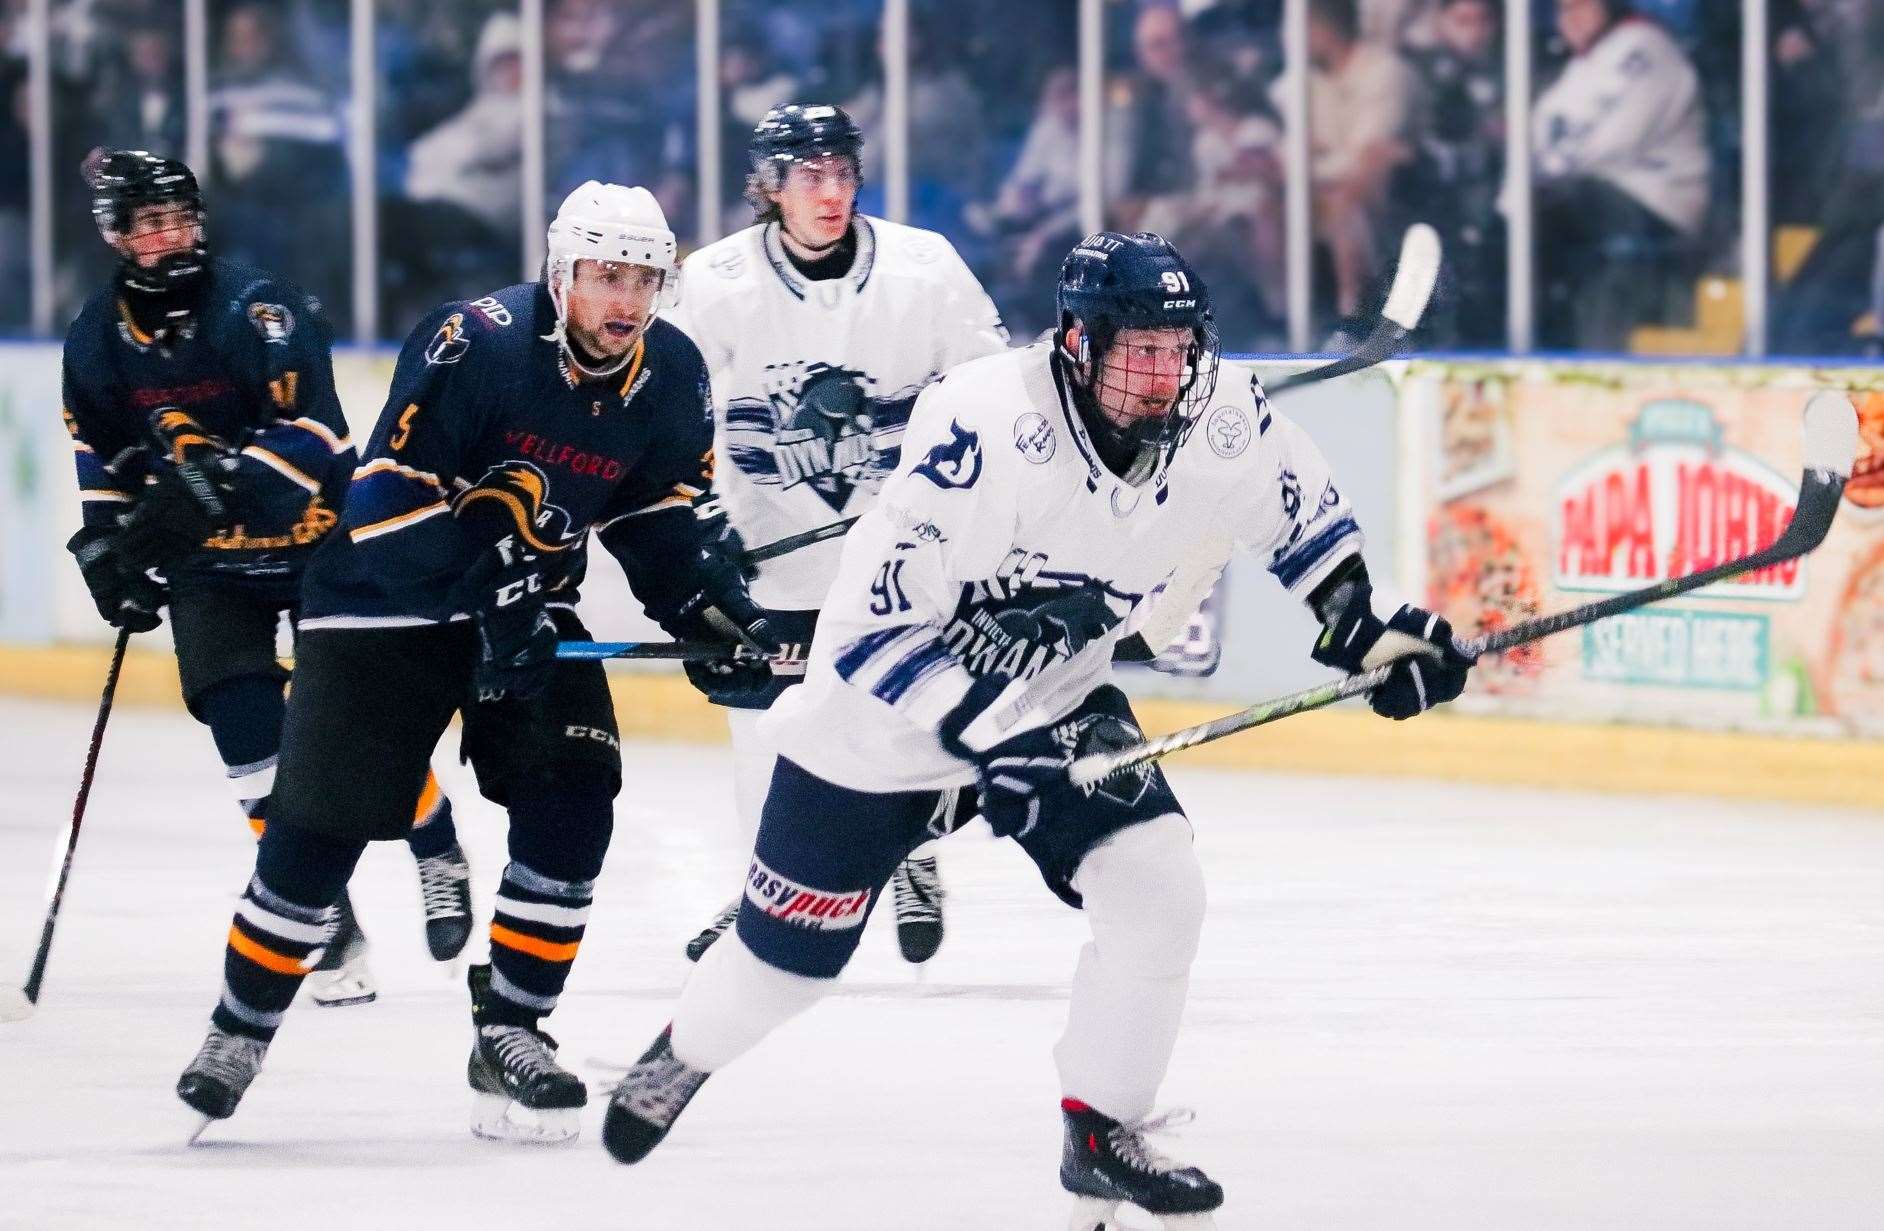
{"x": 253, "y": 366}
{"x": 483, "y": 405}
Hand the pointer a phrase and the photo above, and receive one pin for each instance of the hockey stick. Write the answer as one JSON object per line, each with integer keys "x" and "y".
{"x": 1831, "y": 443}
{"x": 1406, "y": 303}
{"x": 16, "y": 1005}
{"x": 792, "y": 542}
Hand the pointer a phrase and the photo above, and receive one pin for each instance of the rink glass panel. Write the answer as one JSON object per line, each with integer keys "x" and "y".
{"x": 450, "y": 153}
{"x": 117, "y": 81}
{"x": 278, "y": 179}
{"x": 1193, "y": 149}
{"x": 619, "y": 101}
{"x": 994, "y": 143}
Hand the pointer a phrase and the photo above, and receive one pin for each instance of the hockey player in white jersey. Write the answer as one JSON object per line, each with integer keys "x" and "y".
{"x": 1044, "y": 498}
{"x": 820, "y": 325}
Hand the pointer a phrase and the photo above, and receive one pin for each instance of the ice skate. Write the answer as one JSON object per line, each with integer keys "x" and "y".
{"x": 1106, "y": 1164}
{"x": 520, "y": 1093}
{"x": 221, "y": 1073}
{"x": 342, "y": 977}
{"x": 647, "y": 1102}
{"x": 697, "y": 947}
{"x": 445, "y": 893}
{"x": 917, "y": 886}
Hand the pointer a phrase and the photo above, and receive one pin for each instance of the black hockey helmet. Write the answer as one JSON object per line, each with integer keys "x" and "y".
{"x": 800, "y": 131}
{"x": 1112, "y": 281}
{"x": 122, "y": 181}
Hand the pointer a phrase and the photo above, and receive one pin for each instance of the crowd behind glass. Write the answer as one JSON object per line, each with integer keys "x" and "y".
{"x": 1636, "y": 144}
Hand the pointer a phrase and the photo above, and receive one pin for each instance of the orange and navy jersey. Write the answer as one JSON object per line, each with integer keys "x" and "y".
{"x": 254, "y": 367}
{"x": 484, "y": 414}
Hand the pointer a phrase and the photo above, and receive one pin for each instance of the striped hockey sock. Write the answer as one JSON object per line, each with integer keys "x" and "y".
{"x": 535, "y": 932}
{"x": 273, "y": 944}
{"x": 251, "y": 784}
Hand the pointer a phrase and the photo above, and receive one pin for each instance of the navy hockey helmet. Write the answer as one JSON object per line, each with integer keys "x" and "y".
{"x": 799, "y": 131}
{"x": 1111, "y": 282}
{"x": 123, "y": 181}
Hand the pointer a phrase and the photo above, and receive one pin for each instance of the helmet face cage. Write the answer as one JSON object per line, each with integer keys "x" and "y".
{"x": 124, "y": 181}
{"x": 1112, "y": 282}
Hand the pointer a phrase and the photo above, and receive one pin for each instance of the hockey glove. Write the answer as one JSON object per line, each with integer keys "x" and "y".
{"x": 189, "y": 499}
{"x": 1427, "y": 669}
{"x": 737, "y": 682}
{"x": 505, "y": 592}
{"x": 721, "y": 610}
{"x": 124, "y": 599}
{"x": 1012, "y": 777}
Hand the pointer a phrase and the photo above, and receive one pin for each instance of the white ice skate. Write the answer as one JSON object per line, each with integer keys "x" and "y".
{"x": 341, "y": 976}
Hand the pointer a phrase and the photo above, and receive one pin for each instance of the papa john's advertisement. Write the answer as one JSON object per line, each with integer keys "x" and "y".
{"x": 1548, "y": 488}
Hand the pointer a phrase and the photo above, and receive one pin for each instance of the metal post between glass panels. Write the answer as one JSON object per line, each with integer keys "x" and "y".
{"x": 1297, "y": 170}
{"x": 1520, "y": 256}
{"x": 39, "y": 181}
{"x": 530, "y": 16}
{"x": 1755, "y": 201}
{"x": 706, "y": 104}
{"x": 1092, "y": 205}
{"x": 363, "y": 155}
{"x": 896, "y": 109}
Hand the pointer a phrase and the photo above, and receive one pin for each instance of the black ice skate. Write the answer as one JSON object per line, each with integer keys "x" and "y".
{"x": 648, "y": 1101}
{"x": 220, "y": 1075}
{"x": 1106, "y": 1164}
{"x": 342, "y": 977}
{"x": 445, "y": 893}
{"x": 697, "y": 947}
{"x": 521, "y": 1093}
{"x": 917, "y": 885}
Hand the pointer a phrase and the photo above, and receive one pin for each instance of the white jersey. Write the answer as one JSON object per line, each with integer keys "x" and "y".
{"x": 1629, "y": 112}
{"x": 813, "y": 381}
{"x": 1001, "y": 547}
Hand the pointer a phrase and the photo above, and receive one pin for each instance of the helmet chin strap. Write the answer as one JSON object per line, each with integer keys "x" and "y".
{"x": 559, "y": 334}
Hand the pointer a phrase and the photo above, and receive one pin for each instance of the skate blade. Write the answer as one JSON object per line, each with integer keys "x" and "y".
{"x": 1102, "y": 1214}
{"x": 498, "y": 1117}
{"x": 195, "y": 1122}
{"x": 334, "y": 989}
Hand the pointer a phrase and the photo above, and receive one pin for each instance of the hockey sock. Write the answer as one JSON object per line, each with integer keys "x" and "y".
{"x": 281, "y": 925}
{"x": 432, "y": 830}
{"x": 733, "y": 1000}
{"x": 1144, "y": 900}
{"x": 560, "y": 824}
{"x": 244, "y": 717}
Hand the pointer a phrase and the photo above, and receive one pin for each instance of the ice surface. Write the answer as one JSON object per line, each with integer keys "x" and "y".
{"x": 1417, "y": 1006}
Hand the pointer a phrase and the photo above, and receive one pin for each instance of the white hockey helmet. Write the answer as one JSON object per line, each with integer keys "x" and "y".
{"x": 608, "y": 222}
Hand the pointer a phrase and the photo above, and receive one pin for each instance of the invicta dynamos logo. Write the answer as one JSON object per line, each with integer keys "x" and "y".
{"x": 821, "y": 430}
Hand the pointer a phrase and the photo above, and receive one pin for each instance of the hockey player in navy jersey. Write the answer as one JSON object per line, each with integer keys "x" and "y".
{"x": 820, "y": 326}
{"x": 1045, "y": 499}
{"x": 516, "y": 424}
{"x": 212, "y": 459}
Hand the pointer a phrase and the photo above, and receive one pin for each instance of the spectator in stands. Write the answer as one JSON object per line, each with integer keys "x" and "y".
{"x": 1034, "y": 217}
{"x": 15, "y": 230}
{"x": 1454, "y": 177}
{"x": 277, "y": 161}
{"x": 142, "y": 103}
{"x": 1359, "y": 104}
{"x": 473, "y": 161}
{"x": 1622, "y": 176}
{"x": 1148, "y": 129}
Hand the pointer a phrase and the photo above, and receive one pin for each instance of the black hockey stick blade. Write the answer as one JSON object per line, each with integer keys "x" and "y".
{"x": 14, "y": 1008}
{"x": 804, "y": 538}
{"x": 1413, "y": 281}
{"x": 1831, "y": 445}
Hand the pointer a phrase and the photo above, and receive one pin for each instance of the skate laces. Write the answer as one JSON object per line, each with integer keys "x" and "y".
{"x": 524, "y": 1053}
{"x": 658, "y": 1088}
{"x": 232, "y": 1059}
{"x": 440, "y": 878}
{"x": 1128, "y": 1141}
{"x": 918, "y": 891}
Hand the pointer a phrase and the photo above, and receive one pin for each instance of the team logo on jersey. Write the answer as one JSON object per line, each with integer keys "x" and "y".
{"x": 1028, "y": 617}
{"x": 1033, "y": 436}
{"x": 819, "y": 910}
{"x": 273, "y": 321}
{"x": 449, "y": 344}
{"x": 728, "y": 263}
{"x": 523, "y": 489}
{"x": 1228, "y": 431}
{"x": 956, "y": 462}
{"x": 818, "y": 428}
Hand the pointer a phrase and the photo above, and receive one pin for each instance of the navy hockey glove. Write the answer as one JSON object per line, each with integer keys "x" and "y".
{"x": 721, "y": 610}
{"x": 189, "y": 499}
{"x": 1014, "y": 776}
{"x": 124, "y": 599}
{"x": 505, "y": 592}
{"x": 1427, "y": 669}
{"x": 737, "y": 681}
